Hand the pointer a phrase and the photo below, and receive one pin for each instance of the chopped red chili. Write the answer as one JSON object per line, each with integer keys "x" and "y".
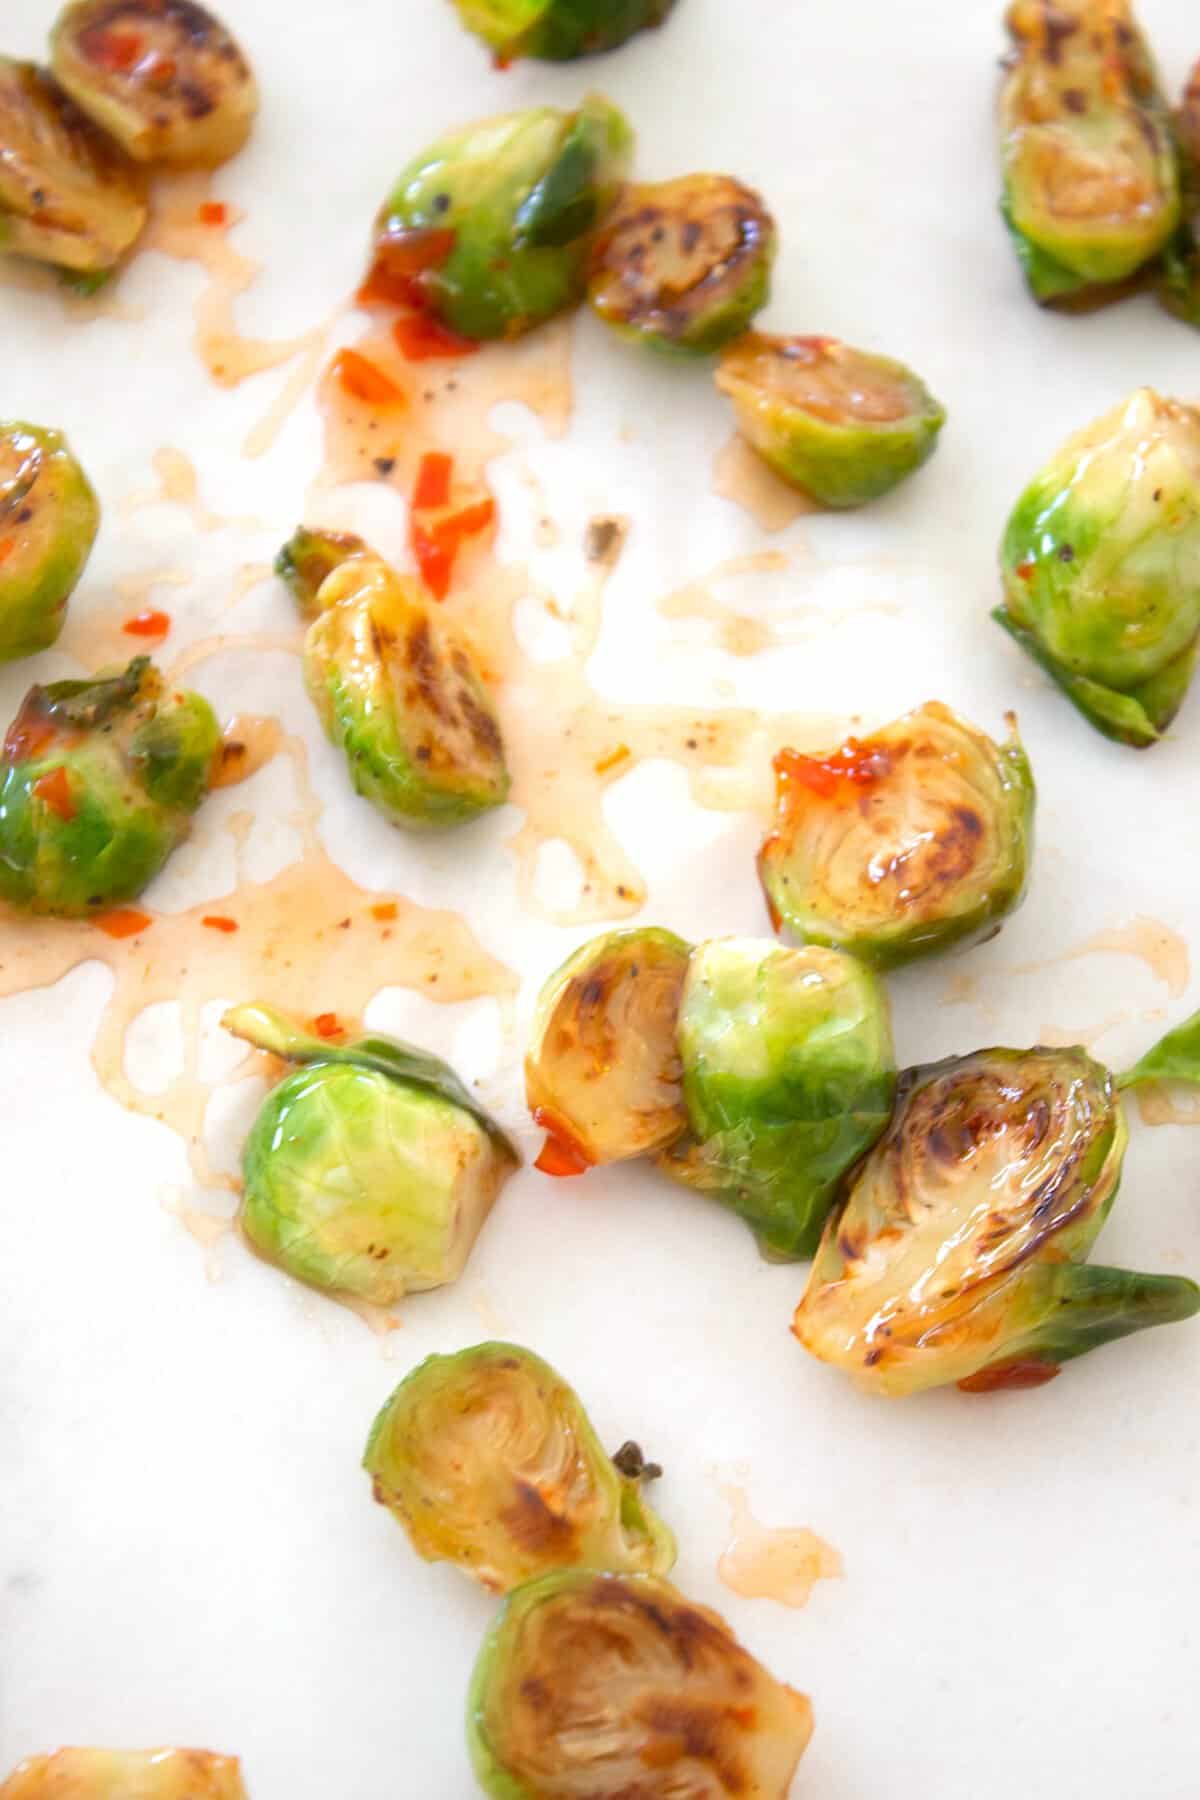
{"x": 122, "y": 922}
{"x": 435, "y": 559}
{"x": 420, "y": 338}
{"x": 148, "y": 624}
{"x": 213, "y": 212}
{"x": 562, "y": 1154}
{"x": 401, "y": 261}
{"x": 433, "y": 480}
{"x": 362, "y": 380}
{"x": 218, "y": 922}
{"x": 54, "y": 790}
{"x": 1026, "y": 570}
{"x": 7, "y": 546}
{"x": 326, "y": 1025}
{"x": 385, "y": 910}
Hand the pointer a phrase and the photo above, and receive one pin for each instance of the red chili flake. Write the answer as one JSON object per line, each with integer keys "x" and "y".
{"x": 863, "y": 764}
{"x": 469, "y": 521}
{"x": 433, "y": 481}
{"x": 385, "y": 910}
{"x": 562, "y": 1154}
{"x": 400, "y": 263}
{"x": 502, "y": 61}
{"x": 421, "y": 339}
{"x": 326, "y": 1025}
{"x": 118, "y": 51}
{"x": 123, "y": 922}
{"x": 7, "y": 546}
{"x": 1026, "y": 1373}
{"x": 1026, "y": 570}
{"x": 213, "y": 212}
{"x": 363, "y": 381}
{"x": 435, "y": 559}
{"x": 54, "y": 789}
{"x": 218, "y": 922}
{"x": 148, "y": 624}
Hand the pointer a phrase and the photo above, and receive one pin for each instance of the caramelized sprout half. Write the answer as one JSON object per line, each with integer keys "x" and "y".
{"x": 49, "y": 517}
{"x": 558, "y": 30}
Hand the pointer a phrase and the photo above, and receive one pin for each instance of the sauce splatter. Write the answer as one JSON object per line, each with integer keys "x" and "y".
{"x": 740, "y": 475}
{"x": 249, "y": 743}
{"x": 1165, "y": 1103}
{"x": 179, "y": 485}
{"x": 1162, "y": 950}
{"x": 763, "y": 1563}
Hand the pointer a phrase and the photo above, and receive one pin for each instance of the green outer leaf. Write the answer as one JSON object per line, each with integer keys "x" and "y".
{"x": 1175, "y": 1057}
{"x": 1122, "y": 717}
{"x": 559, "y": 30}
{"x": 268, "y": 1029}
{"x": 308, "y": 557}
{"x": 39, "y": 578}
{"x": 94, "y": 701}
{"x": 1068, "y": 1309}
{"x": 387, "y": 1459}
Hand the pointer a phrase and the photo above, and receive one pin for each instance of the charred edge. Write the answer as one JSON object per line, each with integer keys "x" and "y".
{"x": 534, "y": 1525}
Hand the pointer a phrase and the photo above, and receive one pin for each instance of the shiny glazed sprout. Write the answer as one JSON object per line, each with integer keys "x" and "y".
{"x": 1101, "y": 567}
{"x": 400, "y": 692}
{"x": 1091, "y": 188}
{"x": 126, "y": 1775}
{"x": 490, "y": 229}
{"x": 1179, "y": 288}
{"x": 68, "y": 195}
{"x": 98, "y": 783}
{"x": 162, "y": 77}
{"x": 49, "y": 517}
{"x": 609, "y": 1686}
{"x": 309, "y": 557}
{"x": 370, "y": 1168}
{"x": 558, "y": 30}
{"x": 788, "y": 1077}
{"x": 488, "y": 1460}
{"x": 960, "y": 1252}
{"x": 684, "y": 264}
{"x": 902, "y": 843}
{"x": 840, "y": 424}
{"x": 602, "y": 1076}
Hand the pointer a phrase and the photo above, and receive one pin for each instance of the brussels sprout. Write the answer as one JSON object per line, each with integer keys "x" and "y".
{"x": 309, "y": 557}
{"x": 611, "y": 1686}
{"x": 490, "y": 228}
{"x": 68, "y": 195}
{"x": 1179, "y": 289}
{"x": 1091, "y": 188}
{"x": 369, "y": 1169}
{"x": 960, "y": 1253}
{"x": 402, "y": 696}
{"x": 98, "y": 782}
{"x": 48, "y": 522}
{"x": 1176, "y": 1057}
{"x": 602, "y": 1075}
{"x": 684, "y": 264}
{"x": 840, "y": 424}
{"x": 126, "y": 1775}
{"x": 488, "y": 1460}
{"x": 163, "y": 77}
{"x": 903, "y": 843}
{"x": 558, "y": 30}
{"x": 1101, "y": 567}
{"x": 788, "y": 1075}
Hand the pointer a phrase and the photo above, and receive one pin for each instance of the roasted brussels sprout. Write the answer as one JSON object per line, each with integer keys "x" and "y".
{"x": 615, "y": 1685}
{"x": 902, "y": 843}
{"x": 840, "y": 424}
{"x": 1101, "y": 567}
{"x": 490, "y": 228}
{"x": 49, "y": 517}
{"x": 602, "y": 1076}
{"x": 684, "y": 264}
{"x": 1091, "y": 189}
{"x": 788, "y": 1076}
{"x": 98, "y": 783}
{"x": 1176, "y": 1057}
{"x": 959, "y": 1254}
{"x": 1179, "y": 288}
{"x": 68, "y": 195}
{"x": 309, "y": 557}
{"x": 163, "y": 77}
{"x": 558, "y": 30}
{"x": 488, "y": 1460}
{"x": 369, "y": 1169}
{"x": 126, "y": 1775}
{"x": 400, "y": 693}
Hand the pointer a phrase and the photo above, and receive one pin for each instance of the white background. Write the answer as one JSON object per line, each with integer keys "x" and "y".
{"x": 188, "y": 1550}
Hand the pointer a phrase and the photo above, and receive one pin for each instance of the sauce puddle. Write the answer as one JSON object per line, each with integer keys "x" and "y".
{"x": 740, "y": 475}
{"x": 179, "y": 485}
{"x": 763, "y": 1563}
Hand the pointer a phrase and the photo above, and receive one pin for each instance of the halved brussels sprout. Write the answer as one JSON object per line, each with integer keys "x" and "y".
{"x": 488, "y": 1460}
{"x": 959, "y": 1255}
{"x": 400, "y": 693}
{"x": 126, "y": 1775}
{"x": 1101, "y": 567}
{"x": 1179, "y": 289}
{"x": 1091, "y": 189}
{"x": 902, "y": 843}
{"x": 68, "y": 195}
{"x": 163, "y": 77}
{"x": 788, "y": 1076}
{"x": 98, "y": 783}
{"x": 602, "y": 1075}
{"x": 840, "y": 424}
{"x": 49, "y": 517}
{"x": 684, "y": 264}
{"x": 612, "y": 1686}
{"x": 490, "y": 228}
{"x": 370, "y": 1169}
{"x": 558, "y": 30}
{"x": 309, "y": 557}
